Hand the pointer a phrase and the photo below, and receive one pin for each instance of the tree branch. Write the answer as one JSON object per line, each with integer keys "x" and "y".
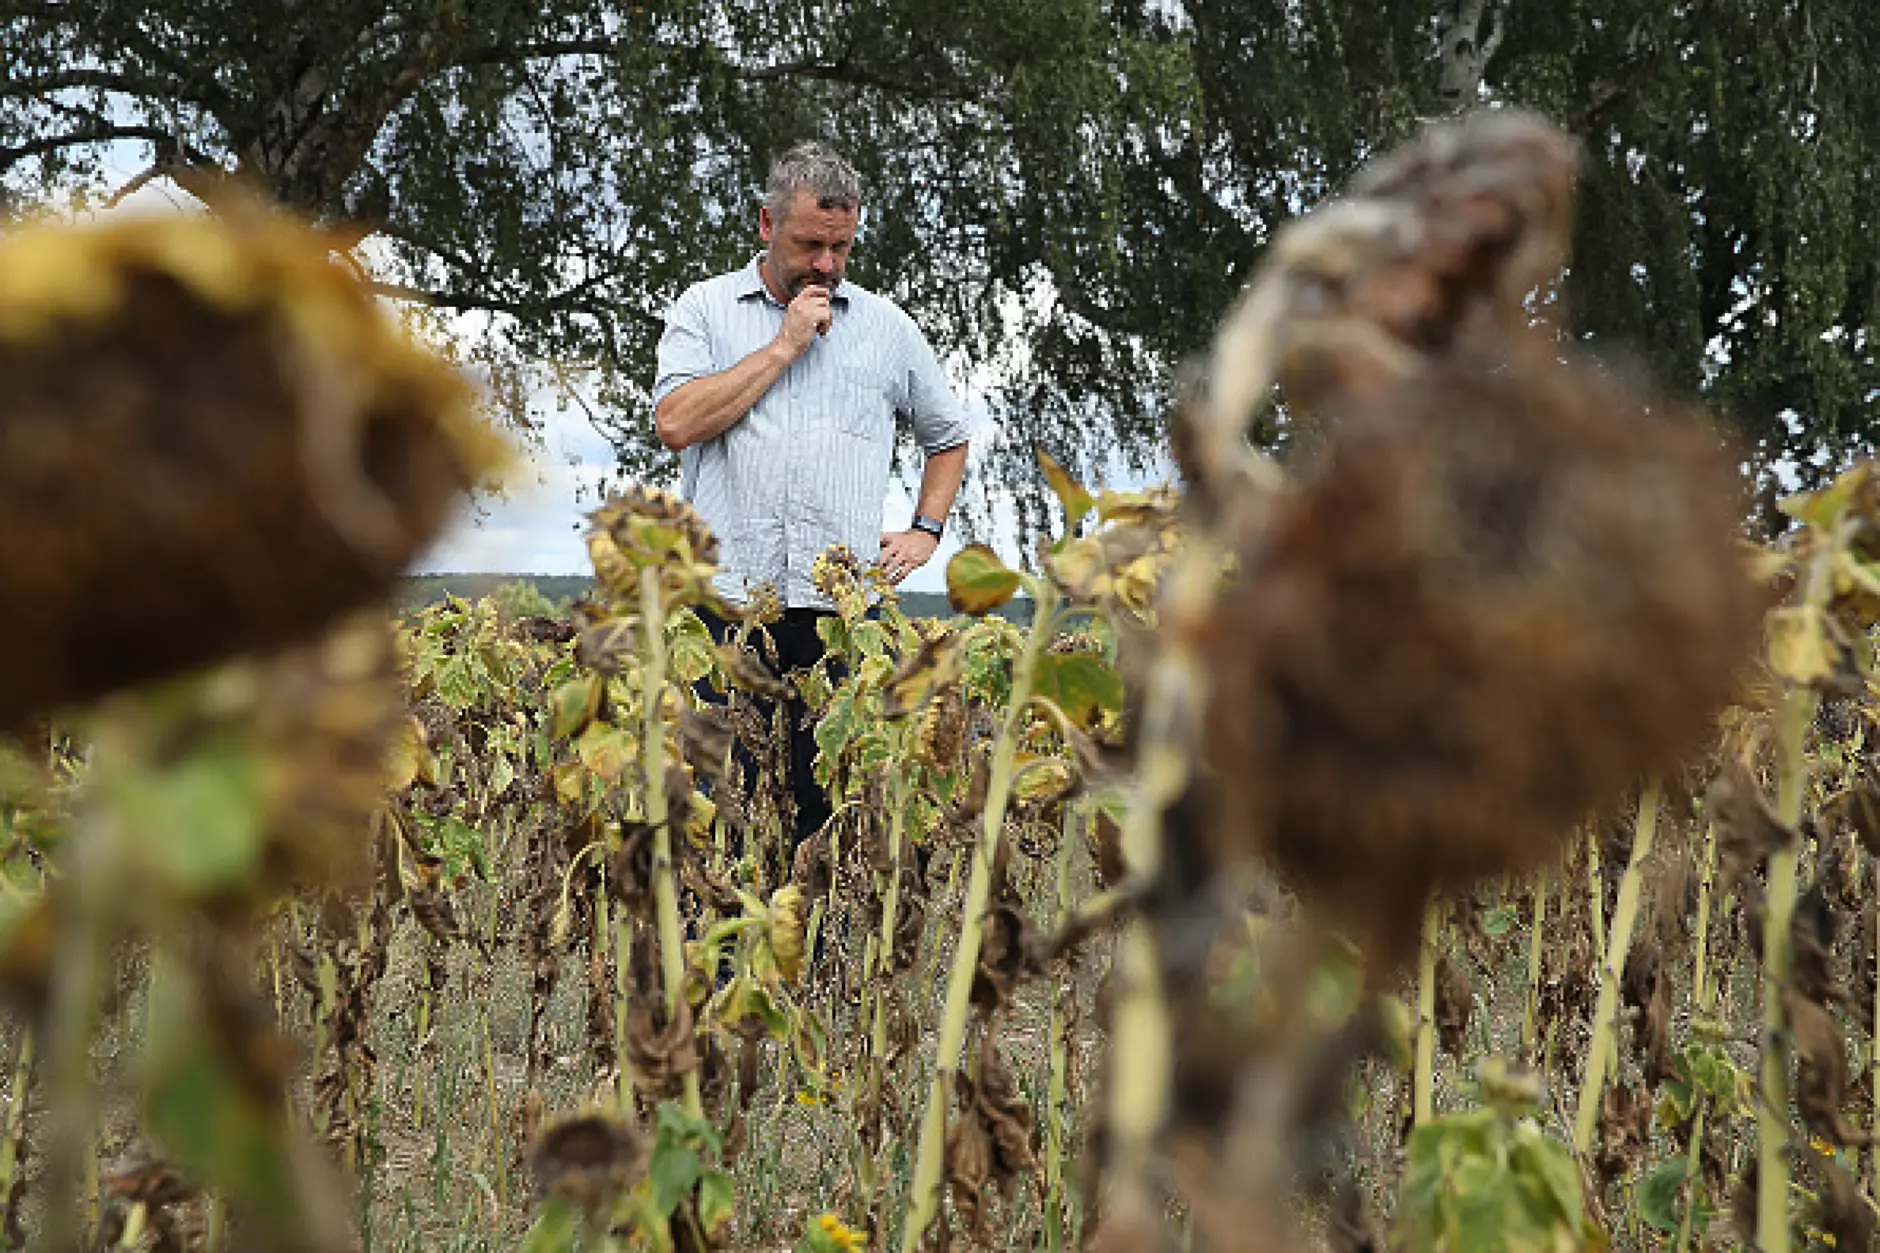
{"x": 1608, "y": 95}
{"x": 845, "y": 71}
{"x": 841, "y": 70}
{"x": 567, "y": 300}
{"x": 118, "y": 81}
{"x": 9, "y": 157}
{"x": 510, "y": 54}
{"x": 195, "y": 172}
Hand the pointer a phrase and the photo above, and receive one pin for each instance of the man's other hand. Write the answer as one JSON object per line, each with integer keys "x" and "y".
{"x": 903, "y": 552}
{"x": 807, "y": 317}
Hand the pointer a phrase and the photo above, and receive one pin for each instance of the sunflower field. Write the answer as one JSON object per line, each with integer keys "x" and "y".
{"x": 1459, "y": 837}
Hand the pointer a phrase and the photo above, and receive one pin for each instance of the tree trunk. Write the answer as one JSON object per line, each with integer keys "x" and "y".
{"x": 1466, "y": 49}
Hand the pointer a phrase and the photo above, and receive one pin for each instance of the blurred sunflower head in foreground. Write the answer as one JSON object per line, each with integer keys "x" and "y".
{"x": 212, "y": 441}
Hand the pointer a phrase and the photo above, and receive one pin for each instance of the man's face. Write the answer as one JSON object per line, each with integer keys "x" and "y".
{"x": 809, "y": 244}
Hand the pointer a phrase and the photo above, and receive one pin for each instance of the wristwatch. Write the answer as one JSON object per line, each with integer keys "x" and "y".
{"x": 935, "y": 527}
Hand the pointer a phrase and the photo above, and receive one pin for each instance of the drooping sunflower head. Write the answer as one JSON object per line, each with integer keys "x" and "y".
{"x": 837, "y": 573}
{"x": 646, "y": 527}
{"x": 210, "y": 420}
{"x": 587, "y": 1159}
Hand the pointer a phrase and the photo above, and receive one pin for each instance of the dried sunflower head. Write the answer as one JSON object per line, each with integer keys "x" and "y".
{"x": 764, "y": 605}
{"x": 837, "y": 574}
{"x": 943, "y": 728}
{"x": 1076, "y": 642}
{"x": 206, "y": 422}
{"x": 1511, "y": 589}
{"x": 645, "y": 527}
{"x": 1507, "y": 587}
{"x": 587, "y": 1159}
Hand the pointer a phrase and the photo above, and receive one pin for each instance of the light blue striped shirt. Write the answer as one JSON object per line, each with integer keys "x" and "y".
{"x": 807, "y": 467}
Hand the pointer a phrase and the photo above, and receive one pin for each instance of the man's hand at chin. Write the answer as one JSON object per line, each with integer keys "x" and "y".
{"x": 903, "y": 552}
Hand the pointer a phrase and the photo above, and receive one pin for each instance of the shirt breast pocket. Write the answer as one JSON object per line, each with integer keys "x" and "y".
{"x": 864, "y": 401}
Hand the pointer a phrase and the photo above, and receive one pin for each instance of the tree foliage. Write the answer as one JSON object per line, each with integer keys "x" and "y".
{"x": 1066, "y": 193}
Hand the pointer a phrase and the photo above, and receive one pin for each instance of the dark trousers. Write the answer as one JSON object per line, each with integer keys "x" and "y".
{"x": 793, "y": 644}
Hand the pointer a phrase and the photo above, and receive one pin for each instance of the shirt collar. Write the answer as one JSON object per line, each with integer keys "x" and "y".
{"x": 751, "y": 283}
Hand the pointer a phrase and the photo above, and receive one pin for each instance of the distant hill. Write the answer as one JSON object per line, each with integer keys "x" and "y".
{"x": 417, "y": 590}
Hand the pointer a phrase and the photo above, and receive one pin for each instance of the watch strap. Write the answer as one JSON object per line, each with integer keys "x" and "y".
{"x": 935, "y": 527}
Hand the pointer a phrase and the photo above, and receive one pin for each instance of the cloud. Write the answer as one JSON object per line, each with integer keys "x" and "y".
{"x": 536, "y": 526}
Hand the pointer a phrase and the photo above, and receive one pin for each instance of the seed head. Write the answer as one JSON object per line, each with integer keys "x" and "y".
{"x": 942, "y": 743}
{"x": 587, "y": 1159}
{"x": 1510, "y": 590}
{"x": 645, "y": 526}
{"x": 838, "y": 575}
{"x": 206, "y": 419}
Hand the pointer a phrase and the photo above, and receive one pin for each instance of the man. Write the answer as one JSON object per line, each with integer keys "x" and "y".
{"x": 778, "y": 385}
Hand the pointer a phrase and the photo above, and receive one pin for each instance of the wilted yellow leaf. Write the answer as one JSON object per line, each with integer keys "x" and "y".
{"x": 1075, "y": 498}
{"x": 978, "y": 582}
{"x": 1800, "y": 647}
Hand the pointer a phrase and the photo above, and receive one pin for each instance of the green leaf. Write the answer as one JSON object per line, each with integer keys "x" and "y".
{"x": 835, "y": 634}
{"x": 1658, "y": 1193}
{"x": 573, "y": 705}
{"x": 978, "y": 582}
{"x": 457, "y": 683}
{"x": 717, "y": 1200}
{"x": 1546, "y": 1160}
{"x": 502, "y": 774}
{"x": 672, "y": 1172}
{"x": 1822, "y": 507}
{"x": 198, "y": 822}
{"x": 209, "y": 1117}
{"x": 1071, "y": 494}
{"x": 871, "y": 639}
{"x": 460, "y": 846}
{"x": 679, "y": 1127}
{"x": 1500, "y": 920}
{"x": 554, "y": 1231}
{"x": 837, "y": 726}
{"x": 1398, "y": 1025}
{"x": 1333, "y": 991}
{"x": 689, "y": 647}
{"x": 1083, "y": 685}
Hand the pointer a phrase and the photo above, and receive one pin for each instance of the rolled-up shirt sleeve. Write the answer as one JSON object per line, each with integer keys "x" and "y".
{"x": 938, "y": 417}
{"x": 685, "y": 347}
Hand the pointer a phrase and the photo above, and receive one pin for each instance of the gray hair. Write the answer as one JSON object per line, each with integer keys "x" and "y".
{"x": 818, "y": 170}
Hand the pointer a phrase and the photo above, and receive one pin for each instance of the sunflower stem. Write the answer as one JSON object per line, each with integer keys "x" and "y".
{"x": 85, "y": 934}
{"x": 15, "y": 1127}
{"x": 1055, "y": 1130}
{"x": 653, "y": 755}
{"x": 1612, "y": 970}
{"x": 1530, "y": 1016}
{"x": 1596, "y": 888}
{"x": 926, "y": 1195}
{"x": 882, "y": 985}
{"x": 1423, "y": 1079}
{"x": 1772, "y": 1111}
{"x": 1700, "y": 972}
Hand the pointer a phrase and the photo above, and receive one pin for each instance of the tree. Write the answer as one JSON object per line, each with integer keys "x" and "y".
{"x": 1729, "y": 229}
{"x": 1067, "y": 194}
{"x": 559, "y": 167}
